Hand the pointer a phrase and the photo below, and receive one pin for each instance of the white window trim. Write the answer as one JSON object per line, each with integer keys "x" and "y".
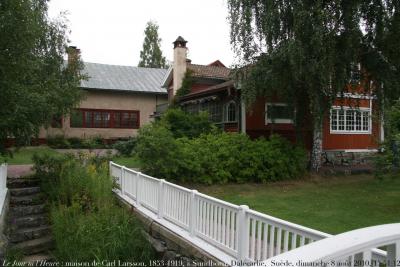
{"x": 276, "y": 121}
{"x": 352, "y": 131}
{"x": 356, "y": 96}
{"x": 226, "y": 115}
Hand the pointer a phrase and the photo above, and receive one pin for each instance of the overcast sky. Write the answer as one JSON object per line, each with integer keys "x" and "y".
{"x": 111, "y": 31}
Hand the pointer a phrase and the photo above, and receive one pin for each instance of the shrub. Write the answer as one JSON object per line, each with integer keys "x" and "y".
{"x": 57, "y": 141}
{"x": 87, "y": 224}
{"x": 75, "y": 142}
{"x": 183, "y": 124}
{"x": 158, "y": 150}
{"x": 125, "y": 147}
{"x": 218, "y": 157}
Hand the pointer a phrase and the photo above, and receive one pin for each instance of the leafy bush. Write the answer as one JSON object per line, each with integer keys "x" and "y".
{"x": 388, "y": 161}
{"x": 218, "y": 157}
{"x": 183, "y": 124}
{"x": 125, "y": 147}
{"x": 87, "y": 224}
{"x": 57, "y": 141}
{"x": 158, "y": 150}
{"x": 75, "y": 142}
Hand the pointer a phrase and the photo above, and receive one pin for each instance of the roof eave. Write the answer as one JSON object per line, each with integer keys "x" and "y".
{"x": 124, "y": 91}
{"x": 168, "y": 78}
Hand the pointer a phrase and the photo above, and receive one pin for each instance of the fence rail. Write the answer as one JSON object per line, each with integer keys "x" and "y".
{"x": 355, "y": 249}
{"x": 241, "y": 233}
{"x": 3, "y": 185}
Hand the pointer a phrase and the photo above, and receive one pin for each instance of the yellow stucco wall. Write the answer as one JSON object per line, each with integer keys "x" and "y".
{"x": 145, "y": 103}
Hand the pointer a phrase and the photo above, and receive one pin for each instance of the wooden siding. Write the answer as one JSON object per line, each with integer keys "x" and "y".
{"x": 256, "y": 127}
{"x": 342, "y": 141}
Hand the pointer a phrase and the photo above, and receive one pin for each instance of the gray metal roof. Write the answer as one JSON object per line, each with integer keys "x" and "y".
{"x": 123, "y": 78}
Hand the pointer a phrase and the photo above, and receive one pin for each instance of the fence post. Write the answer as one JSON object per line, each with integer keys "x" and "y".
{"x": 192, "y": 213}
{"x": 393, "y": 254}
{"x": 243, "y": 233}
{"x": 161, "y": 199}
{"x": 123, "y": 180}
{"x": 137, "y": 188}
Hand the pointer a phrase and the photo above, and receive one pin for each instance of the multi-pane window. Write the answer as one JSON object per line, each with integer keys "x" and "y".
{"x": 213, "y": 108}
{"x": 350, "y": 120}
{"x": 86, "y": 118}
{"x": 230, "y": 112}
{"x": 125, "y": 119}
{"x": 278, "y": 113}
{"x": 355, "y": 73}
{"x": 76, "y": 119}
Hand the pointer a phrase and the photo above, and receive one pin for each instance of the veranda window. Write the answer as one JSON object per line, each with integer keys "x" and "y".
{"x": 90, "y": 118}
{"x": 230, "y": 112}
{"x": 348, "y": 120}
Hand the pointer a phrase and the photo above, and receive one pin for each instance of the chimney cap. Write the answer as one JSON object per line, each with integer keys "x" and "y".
{"x": 180, "y": 42}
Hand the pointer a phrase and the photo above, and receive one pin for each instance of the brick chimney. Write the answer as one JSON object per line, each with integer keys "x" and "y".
{"x": 180, "y": 61}
{"x": 73, "y": 54}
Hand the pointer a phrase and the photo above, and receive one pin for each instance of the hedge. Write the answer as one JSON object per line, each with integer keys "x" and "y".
{"x": 218, "y": 157}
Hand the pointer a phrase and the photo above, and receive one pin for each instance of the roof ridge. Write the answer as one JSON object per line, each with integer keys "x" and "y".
{"x": 117, "y": 65}
{"x": 208, "y": 66}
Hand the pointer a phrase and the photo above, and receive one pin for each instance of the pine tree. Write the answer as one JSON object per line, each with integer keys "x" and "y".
{"x": 151, "y": 54}
{"x": 303, "y": 51}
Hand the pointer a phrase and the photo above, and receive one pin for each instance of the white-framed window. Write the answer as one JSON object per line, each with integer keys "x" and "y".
{"x": 345, "y": 120}
{"x": 355, "y": 73}
{"x": 278, "y": 113}
{"x": 230, "y": 112}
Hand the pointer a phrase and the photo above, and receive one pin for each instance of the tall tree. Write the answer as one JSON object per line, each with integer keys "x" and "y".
{"x": 151, "y": 54}
{"x": 35, "y": 83}
{"x": 303, "y": 51}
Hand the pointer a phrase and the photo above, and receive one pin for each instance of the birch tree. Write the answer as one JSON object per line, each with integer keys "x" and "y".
{"x": 35, "y": 83}
{"x": 303, "y": 51}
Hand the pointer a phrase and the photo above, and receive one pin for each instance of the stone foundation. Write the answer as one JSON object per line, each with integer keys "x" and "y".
{"x": 343, "y": 158}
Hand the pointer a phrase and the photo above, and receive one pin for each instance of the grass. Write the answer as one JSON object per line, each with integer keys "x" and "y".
{"x": 24, "y": 155}
{"x": 130, "y": 162}
{"x": 330, "y": 204}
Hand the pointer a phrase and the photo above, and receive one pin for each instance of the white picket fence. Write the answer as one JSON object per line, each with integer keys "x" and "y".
{"x": 241, "y": 234}
{"x": 3, "y": 185}
{"x": 352, "y": 248}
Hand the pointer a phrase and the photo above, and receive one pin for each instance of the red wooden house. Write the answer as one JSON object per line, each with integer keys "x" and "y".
{"x": 353, "y": 124}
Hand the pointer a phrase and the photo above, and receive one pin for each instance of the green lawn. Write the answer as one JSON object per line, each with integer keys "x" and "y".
{"x": 330, "y": 204}
{"x": 24, "y": 155}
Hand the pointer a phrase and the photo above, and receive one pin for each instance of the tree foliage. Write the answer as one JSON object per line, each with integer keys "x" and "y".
{"x": 186, "y": 86}
{"x": 184, "y": 124}
{"x": 35, "y": 83}
{"x": 151, "y": 54}
{"x": 303, "y": 51}
{"x": 388, "y": 161}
